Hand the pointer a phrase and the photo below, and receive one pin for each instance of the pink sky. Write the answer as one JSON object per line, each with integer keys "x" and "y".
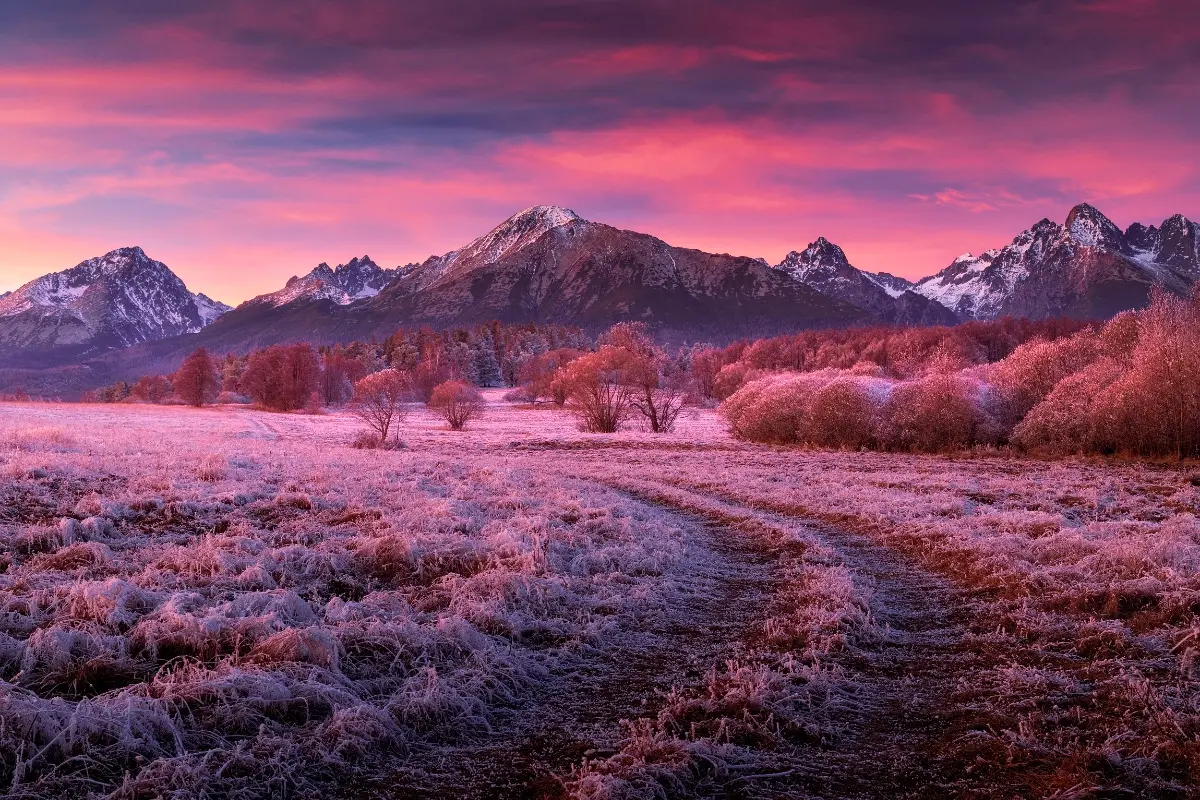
{"x": 241, "y": 146}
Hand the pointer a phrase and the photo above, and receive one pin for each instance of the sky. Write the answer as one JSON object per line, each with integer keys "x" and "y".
{"x": 244, "y": 142}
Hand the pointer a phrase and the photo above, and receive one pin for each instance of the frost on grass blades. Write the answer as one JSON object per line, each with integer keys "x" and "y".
{"x": 221, "y": 617}
{"x": 236, "y": 603}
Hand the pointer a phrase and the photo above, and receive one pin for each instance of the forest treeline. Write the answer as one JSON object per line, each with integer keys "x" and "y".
{"x": 496, "y": 355}
{"x": 1059, "y": 386}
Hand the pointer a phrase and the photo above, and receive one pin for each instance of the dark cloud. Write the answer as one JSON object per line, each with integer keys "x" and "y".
{"x": 538, "y": 65}
{"x": 290, "y": 122}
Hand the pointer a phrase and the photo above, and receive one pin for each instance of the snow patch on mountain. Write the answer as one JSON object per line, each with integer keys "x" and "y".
{"x": 824, "y": 267}
{"x": 1086, "y": 266}
{"x": 209, "y": 309}
{"x": 357, "y": 279}
{"x": 118, "y": 299}
{"x": 520, "y": 230}
{"x": 959, "y": 287}
{"x": 1087, "y": 226}
{"x": 894, "y": 285}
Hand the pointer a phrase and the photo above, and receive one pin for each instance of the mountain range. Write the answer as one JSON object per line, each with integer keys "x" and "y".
{"x": 117, "y": 300}
{"x": 547, "y": 264}
{"x": 1085, "y": 268}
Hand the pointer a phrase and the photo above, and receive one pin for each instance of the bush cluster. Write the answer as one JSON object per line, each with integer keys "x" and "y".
{"x": 1128, "y": 387}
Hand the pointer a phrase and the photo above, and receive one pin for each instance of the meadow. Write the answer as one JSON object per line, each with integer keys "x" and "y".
{"x": 228, "y": 602}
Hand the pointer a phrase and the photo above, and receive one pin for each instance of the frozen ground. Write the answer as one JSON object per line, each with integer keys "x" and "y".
{"x": 215, "y": 603}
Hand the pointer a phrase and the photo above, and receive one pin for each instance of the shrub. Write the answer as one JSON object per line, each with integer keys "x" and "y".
{"x": 1025, "y": 378}
{"x": 113, "y": 393}
{"x": 379, "y": 400}
{"x": 1137, "y": 396}
{"x": 520, "y": 394}
{"x": 773, "y": 409}
{"x": 283, "y": 377}
{"x": 731, "y": 378}
{"x": 1070, "y": 420}
{"x": 197, "y": 381}
{"x": 152, "y": 388}
{"x": 369, "y": 440}
{"x": 843, "y": 412}
{"x": 598, "y": 388}
{"x": 937, "y": 413}
{"x": 457, "y": 403}
{"x": 539, "y": 376}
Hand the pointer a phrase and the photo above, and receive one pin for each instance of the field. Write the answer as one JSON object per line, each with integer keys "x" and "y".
{"x": 234, "y": 603}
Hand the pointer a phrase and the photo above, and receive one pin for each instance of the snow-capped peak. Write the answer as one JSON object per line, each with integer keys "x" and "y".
{"x": 1087, "y": 226}
{"x": 120, "y": 298}
{"x": 519, "y": 230}
{"x": 824, "y": 250}
{"x": 821, "y": 260}
{"x": 357, "y": 279}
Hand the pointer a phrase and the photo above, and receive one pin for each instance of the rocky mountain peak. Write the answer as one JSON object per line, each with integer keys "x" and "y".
{"x": 1178, "y": 245}
{"x": 824, "y": 266}
{"x": 1087, "y": 226}
{"x": 357, "y": 279}
{"x": 1141, "y": 237}
{"x": 826, "y": 252}
{"x": 1085, "y": 268}
{"x": 518, "y": 231}
{"x": 822, "y": 259}
{"x": 120, "y": 298}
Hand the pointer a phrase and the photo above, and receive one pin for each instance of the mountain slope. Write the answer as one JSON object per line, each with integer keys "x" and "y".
{"x": 357, "y": 279}
{"x": 1084, "y": 268}
{"x": 116, "y": 300}
{"x": 824, "y": 267}
{"x": 546, "y": 264}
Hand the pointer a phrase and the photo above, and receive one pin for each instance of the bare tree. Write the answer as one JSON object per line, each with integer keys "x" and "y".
{"x": 152, "y": 388}
{"x": 282, "y": 377}
{"x": 197, "y": 381}
{"x": 379, "y": 400}
{"x": 598, "y": 388}
{"x": 657, "y": 394}
{"x": 457, "y": 402}
{"x": 657, "y": 387}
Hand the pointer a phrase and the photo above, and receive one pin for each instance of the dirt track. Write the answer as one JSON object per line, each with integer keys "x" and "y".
{"x": 897, "y": 727}
{"x": 709, "y": 603}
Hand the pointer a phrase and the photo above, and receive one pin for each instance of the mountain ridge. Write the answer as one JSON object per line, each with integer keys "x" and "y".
{"x": 824, "y": 266}
{"x": 120, "y": 299}
{"x": 1086, "y": 267}
{"x": 548, "y": 264}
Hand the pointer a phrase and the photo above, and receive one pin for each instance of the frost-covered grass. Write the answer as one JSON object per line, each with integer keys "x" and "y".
{"x": 237, "y": 599}
{"x": 1085, "y": 576}
{"x": 218, "y": 603}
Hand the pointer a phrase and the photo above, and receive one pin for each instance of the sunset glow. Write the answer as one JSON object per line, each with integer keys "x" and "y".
{"x": 242, "y": 143}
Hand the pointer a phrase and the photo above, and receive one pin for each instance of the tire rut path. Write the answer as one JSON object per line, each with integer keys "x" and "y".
{"x": 907, "y": 730}
{"x": 715, "y": 599}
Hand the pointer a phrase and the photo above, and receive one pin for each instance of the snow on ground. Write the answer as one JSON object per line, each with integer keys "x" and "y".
{"x": 235, "y": 601}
